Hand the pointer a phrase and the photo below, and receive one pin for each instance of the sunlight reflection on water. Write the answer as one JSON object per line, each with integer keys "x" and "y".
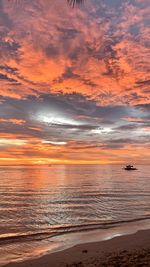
{"x": 39, "y": 203}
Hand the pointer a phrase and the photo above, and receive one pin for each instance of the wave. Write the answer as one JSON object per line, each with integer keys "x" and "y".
{"x": 60, "y": 230}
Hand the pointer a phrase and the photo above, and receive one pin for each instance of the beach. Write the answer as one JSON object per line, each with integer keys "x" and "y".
{"x": 69, "y": 209}
{"x": 74, "y": 133}
{"x": 128, "y": 250}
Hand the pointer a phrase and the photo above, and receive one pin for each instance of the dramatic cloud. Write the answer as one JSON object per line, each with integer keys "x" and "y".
{"x": 74, "y": 83}
{"x": 100, "y": 50}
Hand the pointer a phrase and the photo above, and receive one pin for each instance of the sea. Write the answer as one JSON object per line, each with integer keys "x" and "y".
{"x": 44, "y": 209}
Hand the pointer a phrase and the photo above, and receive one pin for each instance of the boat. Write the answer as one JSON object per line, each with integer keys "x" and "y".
{"x": 130, "y": 168}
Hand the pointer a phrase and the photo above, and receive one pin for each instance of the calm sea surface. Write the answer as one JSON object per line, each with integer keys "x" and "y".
{"x": 44, "y": 209}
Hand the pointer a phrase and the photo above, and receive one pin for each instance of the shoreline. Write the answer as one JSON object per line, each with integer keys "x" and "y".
{"x": 127, "y": 250}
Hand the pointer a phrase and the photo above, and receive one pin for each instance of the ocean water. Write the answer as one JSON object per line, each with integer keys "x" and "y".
{"x": 49, "y": 208}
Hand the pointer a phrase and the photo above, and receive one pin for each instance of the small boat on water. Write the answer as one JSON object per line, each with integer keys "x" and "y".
{"x": 130, "y": 168}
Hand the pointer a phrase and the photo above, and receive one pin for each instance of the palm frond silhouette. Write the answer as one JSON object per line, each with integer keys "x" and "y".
{"x": 74, "y": 2}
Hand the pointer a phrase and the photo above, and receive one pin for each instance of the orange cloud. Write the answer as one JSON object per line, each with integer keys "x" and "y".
{"x": 13, "y": 120}
{"x": 46, "y": 45}
{"x": 98, "y": 55}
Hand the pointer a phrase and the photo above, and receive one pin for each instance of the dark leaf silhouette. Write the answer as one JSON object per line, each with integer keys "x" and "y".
{"x": 75, "y": 2}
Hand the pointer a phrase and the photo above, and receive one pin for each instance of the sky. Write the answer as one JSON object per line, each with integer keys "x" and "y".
{"x": 74, "y": 82}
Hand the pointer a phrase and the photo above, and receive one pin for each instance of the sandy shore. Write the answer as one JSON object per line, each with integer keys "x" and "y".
{"x": 130, "y": 250}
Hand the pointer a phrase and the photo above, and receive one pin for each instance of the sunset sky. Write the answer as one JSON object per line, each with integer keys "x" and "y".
{"x": 74, "y": 83}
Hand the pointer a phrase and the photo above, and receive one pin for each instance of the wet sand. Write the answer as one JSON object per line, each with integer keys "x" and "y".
{"x": 124, "y": 251}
